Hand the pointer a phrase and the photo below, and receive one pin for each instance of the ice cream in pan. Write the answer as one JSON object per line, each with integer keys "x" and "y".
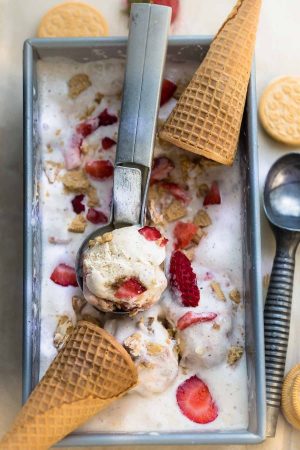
{"x": 185, "y": 332}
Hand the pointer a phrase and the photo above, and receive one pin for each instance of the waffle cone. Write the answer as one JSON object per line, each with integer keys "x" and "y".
{"x": 89, "y": 373}
{"x": 207, "y": 118}
{"x": 290, "y": 400}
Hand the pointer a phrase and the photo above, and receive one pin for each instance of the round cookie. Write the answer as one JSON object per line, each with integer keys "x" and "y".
{"x": 279, "y": 110}
{"x": 290, "y": 399}
{"x": 72, "y": 20}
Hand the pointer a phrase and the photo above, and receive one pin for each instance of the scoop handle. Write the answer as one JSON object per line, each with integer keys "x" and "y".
{"x": 146, "y": 52}
{"x": 277, "y": 315}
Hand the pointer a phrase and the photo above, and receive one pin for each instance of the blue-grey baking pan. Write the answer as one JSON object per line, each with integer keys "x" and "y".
{"x": 179, "y": 49}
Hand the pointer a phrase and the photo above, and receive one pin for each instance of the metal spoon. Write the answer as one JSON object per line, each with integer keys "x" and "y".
{"x": 146, "y": 52}
{"x": 282, "y": 207}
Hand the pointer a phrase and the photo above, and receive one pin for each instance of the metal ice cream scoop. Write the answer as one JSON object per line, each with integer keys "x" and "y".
{"x": 282, "y": 207}
{"x": 146, "y": 52}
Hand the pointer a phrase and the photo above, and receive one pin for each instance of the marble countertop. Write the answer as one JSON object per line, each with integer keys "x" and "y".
{"x": 277, "y": 54}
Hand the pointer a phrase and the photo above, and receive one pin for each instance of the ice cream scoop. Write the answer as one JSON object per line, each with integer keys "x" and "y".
{"x": 282, "y": 207}
{"x": 146, "y": 53}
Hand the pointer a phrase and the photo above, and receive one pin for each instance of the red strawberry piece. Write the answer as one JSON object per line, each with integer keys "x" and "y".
{"x": 130, "y": 288}
{"x": 183, "y": 280}
{"x": 64, "y": 275}
{"x": 195, "y": 401}
{"x": 72, "y": 153}
{"x": 78, "y": 207}
{"x": 167, "y": 90}
{"x": 99, "y": 169}
{"x": 178, "y": 192}
{"x": 87, "y": 127}
{"x": 191, "y": 318}
{"x": 213, "y": 197}
{"x": 107, "y": 143}
{"x": 163, "y": 242}
{"x": 150, "y": 233}
{"x": 174, "y": 4}
{"x": 161, "y": 168}
{"x": 95, "y": 216}
{"x": 106, "y": 119}
{"x": 184, "y": 233}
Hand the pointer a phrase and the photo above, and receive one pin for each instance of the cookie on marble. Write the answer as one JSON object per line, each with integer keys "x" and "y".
{"x": 290, "y": 401}
{"x": 72, "y": 20}
{"x": 279, "y": 110}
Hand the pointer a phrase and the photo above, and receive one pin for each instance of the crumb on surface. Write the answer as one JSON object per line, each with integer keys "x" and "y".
{"x": 76, "y": 181}
{"x": 216, "y": 326}
{"x": 202, "y": 218}
{"x": 202, "y": 190}
{"x": 98, "y": 97}
{"x": 198, "y": 236}
{"x": 93, "y": 199}
{"x": 63, "y": 330}
{"x": 234, "y": 354}
{"x": 175, "y": 211}
{"x": 77, "y": 84}
{"x": 218, "y": 291}
{"x": 235, "y": 296}
{"x": 102, "y": 239}
{"x": 133, "y": 344}
{"x": 78, "y": 224}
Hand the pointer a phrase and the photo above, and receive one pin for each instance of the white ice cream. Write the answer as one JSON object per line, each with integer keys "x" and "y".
{"x": 152, "y": 407}
{"x": 127, "y": 255}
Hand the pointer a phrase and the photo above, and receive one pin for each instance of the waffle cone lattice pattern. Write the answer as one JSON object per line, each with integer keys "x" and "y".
{"x": 208, "y": 115}
{"x": 89, "y": 373}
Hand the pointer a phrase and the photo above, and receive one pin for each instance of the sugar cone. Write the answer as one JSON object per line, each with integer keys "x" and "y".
{"x": 207, "y": 118}
{"x": 89, "y": 373}
{"x": 290, "y": 399}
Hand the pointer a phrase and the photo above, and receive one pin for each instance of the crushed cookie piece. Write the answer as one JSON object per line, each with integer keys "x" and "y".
{"x": 78, "y": 303}
{"x": 216, "y": 326}
{"x": 198, "y": 236}
{"x": 234, "y": 354}
{"x": 266, "y": 280}
{"x": 98, "y": 97}
{"x": 49, "y": 148}
{"x": 106, "y": 237}
{"x": 134, "y": 344}
{"x": 202, "y": 219}
{"x": 186, "y": 165}
{"x": 93, "y": 199}
{"x": 203, "y": 189}
{"x": 76, "y": 181}
{"x": 146, "y": 365}
{"x": 52, "y": 169}
{"x": 175, "y": 211}
{"x": 57, "y": 241}
{"x": 78, "y": 224}
{"x": 156, "y": 217}
{"x": 179, "y": 91}
{"x": 235, "y": 296}
{"x": 57, "y": 132}
{"x": 77, "y": 84}
{"x": 218, "y": 291}
{"x": 88, "y": 112}
{"x": 63, "y": 330}
{"x": 189, "y": 252}
{"x": 154, "y": 349}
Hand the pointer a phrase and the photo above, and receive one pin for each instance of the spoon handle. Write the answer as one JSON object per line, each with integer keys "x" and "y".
{"x": 277, "y": 326}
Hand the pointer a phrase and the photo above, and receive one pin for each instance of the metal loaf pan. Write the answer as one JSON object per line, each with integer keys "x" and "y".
{"x": 179, "y": 49}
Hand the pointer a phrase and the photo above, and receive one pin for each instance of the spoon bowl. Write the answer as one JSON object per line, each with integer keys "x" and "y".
{"x": 282, "y": 207}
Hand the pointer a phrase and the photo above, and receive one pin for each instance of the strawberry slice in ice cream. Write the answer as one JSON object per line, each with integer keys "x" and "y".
{"x": 191, "y": 318}
{"x": 64, "y": 275}
{"x": 167, "y": 91}
{"x": 162, "y": 166}
{"x": 99, "y": 169}
{"x": 129, "y": 289}
{"x": 195, "y": 401}
{"x": 213, "y": 197}
{"x": 183, "y": 280}
{"x": 107, "y": 143}
{"x": 184, "y": 232}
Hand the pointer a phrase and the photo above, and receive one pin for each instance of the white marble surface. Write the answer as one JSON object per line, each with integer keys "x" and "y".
{"x": 277, "y": 54}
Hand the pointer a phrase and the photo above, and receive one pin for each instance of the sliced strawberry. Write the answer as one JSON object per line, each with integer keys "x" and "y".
{"x": 99, "y": 169}
{"x": 72, "y": 153}
{"x": 174, "y": 4}
{"x": 161, "y": 168}
{"x": 130, "y": 288}
{"x": 107, "y": 143}
{"x": 178, "y": 192}
{"x": 213, "y": 197}
{"x": 87, "y": 127}
{"x": 191, "y": 318}
{"x": 183, "y": 280}
{"x": 78, "y": 207}
{"x": 64, "y": 275}
{"x": 195, "y": 401}
{"x": 106, "y": 119}
{"x": 167, "y": 90}
{"x": 150, "y": 233}
{"x": 184, "y": 233}
{"x": 95, "y": 216}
